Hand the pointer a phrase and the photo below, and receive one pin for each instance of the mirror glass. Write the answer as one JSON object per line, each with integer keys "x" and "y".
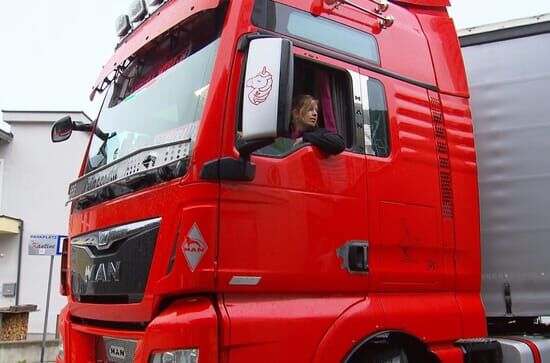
{"x": 62, "y": 129}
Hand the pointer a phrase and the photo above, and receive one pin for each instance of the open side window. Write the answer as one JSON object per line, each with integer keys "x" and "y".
{"x": 333, "y": 89}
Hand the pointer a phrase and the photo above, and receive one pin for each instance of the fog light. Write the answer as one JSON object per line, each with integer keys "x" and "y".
{"x": 138, "y": 11}
{"x": 176, "y": 356}
{"x": 154, "y": 2}
{"x": 122, "y": 25}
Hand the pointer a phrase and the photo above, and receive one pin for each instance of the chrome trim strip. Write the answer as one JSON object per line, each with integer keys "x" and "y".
{"x": 104, "y": 239}
{"x": 245, "y": 280}
{"x": 358, "y": 110}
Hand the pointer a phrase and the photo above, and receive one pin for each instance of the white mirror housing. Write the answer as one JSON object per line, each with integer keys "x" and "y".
{"x": 267, "y": 96}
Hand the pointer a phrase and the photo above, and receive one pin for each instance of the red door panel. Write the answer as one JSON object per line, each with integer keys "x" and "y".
{"x": 286, "y": 226}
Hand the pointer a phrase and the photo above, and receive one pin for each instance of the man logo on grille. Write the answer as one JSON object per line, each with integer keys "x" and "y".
{"x": 194, "y": 247}
{"x": 117, "y": 352}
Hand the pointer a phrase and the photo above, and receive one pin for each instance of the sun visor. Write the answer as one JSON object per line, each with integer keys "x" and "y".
{"x": 430, "y": 3}
{"x": 168, "y": 16}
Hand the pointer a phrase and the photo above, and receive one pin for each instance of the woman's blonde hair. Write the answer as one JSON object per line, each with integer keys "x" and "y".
{"x": 302, "y": 104}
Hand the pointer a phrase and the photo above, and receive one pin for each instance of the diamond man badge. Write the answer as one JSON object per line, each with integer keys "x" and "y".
{"x": 194, "y": 247}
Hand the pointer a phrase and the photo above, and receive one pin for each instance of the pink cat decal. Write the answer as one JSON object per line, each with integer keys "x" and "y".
{"x": 261, "y": 85}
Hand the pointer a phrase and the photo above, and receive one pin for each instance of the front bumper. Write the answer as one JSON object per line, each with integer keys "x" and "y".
{"x": 189, "y": 323}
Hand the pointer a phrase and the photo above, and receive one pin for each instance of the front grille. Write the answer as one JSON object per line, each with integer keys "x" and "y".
{"x": 112, "y": 266}
{"x": 116, "y": 325}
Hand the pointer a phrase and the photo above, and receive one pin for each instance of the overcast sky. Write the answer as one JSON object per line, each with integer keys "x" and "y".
{"x": 52, "y": 51}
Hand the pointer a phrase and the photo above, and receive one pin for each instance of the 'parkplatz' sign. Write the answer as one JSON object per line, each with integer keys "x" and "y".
{"x": 45, "y": 244}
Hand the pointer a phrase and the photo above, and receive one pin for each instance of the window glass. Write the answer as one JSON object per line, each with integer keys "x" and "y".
{"x": 317, "y": 30}
{"x": 159, "y": 97}
{"x": 166, "y": 109}
{"x": 333, "y": 35}
{"x": 377, "y": 140}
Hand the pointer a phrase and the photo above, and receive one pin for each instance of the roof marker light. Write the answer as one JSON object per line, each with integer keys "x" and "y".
{"x": 122, "y": 24}
{"x": 138, "y": 11}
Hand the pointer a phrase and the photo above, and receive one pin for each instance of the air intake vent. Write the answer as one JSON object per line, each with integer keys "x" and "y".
{"x": 442, "y": 149}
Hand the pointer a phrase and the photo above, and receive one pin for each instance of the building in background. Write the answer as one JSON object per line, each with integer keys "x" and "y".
{"x": 34, "y": 179}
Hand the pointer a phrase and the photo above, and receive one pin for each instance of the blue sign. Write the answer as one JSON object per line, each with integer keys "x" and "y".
{"x": 60, "y": 239}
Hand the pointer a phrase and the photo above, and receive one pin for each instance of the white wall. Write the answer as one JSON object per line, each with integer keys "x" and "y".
{"x": 34, "y": 188}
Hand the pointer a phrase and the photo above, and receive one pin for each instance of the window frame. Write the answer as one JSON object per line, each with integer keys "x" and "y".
{"x": 355, "y": 125}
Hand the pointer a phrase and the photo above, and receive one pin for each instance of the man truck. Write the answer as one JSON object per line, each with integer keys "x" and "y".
{"x": 200, "y": 232}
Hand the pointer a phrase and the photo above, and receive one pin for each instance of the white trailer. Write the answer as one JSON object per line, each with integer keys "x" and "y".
{"x": 508, "y": 69}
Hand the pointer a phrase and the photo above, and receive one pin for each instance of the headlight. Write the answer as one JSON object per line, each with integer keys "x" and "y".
{"x": 176, "y": 356}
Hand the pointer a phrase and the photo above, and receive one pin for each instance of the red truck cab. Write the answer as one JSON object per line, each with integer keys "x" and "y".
{"x": 200, "y": 232}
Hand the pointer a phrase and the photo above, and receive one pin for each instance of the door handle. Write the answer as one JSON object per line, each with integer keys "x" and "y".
{"x": 355, "y": 256}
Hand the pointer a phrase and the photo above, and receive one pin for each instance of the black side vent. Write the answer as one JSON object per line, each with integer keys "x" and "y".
{"x": 442, "y": 149}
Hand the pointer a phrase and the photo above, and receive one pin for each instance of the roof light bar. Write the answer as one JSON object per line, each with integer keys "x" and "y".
{"x": 138, "y": 11}
{"x": 122, "y": 25}
{"x": 154, "y": 2}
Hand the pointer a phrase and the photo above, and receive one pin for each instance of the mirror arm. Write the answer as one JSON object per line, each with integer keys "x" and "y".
{"x": 81, "y": 126}
{"x": 103, "y": 136}
{"x": 229, "y": 168}
{"x": 89, "y": 127}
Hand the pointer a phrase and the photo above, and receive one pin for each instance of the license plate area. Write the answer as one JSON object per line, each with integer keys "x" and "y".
{"x": 114, "y": 350}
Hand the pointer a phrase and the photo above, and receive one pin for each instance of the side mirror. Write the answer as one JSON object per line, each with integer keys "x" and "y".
{"x": 267, "y": 96}
{"x": 62, "y": 129}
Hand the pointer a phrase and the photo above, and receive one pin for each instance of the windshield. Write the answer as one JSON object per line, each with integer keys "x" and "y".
{"x": 158, "y": 98}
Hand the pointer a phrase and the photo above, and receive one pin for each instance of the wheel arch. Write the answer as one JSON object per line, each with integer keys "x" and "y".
{"x": 360, "y": 325}
{"x": 415, "y": 349}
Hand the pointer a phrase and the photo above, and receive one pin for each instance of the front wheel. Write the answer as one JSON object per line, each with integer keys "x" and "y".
{"x": 386, "y": 354}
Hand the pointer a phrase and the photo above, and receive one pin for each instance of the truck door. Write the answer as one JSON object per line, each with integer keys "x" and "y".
{"x": 409, "y": 249}
{"x": 283, "y": 231}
